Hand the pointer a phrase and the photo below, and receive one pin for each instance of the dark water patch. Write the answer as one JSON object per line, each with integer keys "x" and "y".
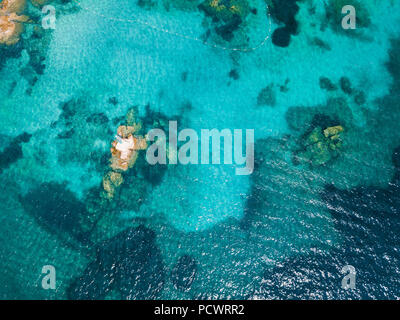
{"x": 336, "y": 109}
{"x": 83, "y": 136}
{"x": 130, "y": 262}
{"x": 396, "y": 157}
{"x": 285, "y": 86}
{"x": 393, "y": 65}
{"x": 67, "y": 134}
{"x": 186, "y": 106}
{"x": 13, "y": 152}
{"x": 135, "y": 188}
{"x": 368, "y": 220}
{"x": 7, "y": 52}
{"x": 146, "y": 4}
{"x": 384, "y": 121}
{"x": 69, "y": 109}
{"x": 271, "y": 174}
{"x": 118, "y": 120}
{"x": 184, "y": 273}
{"x": 153, "y": 174}
{"x": 370, "y": 240}
{"x": 184, "y": 76}
{"x": 153, "y": 119}
{"x": 319, "y": 276}
{"x": 227, "y": 30}
{"x": 56, "y": 208}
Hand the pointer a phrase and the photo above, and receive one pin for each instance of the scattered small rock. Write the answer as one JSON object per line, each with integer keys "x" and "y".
{"x": 113, "y": 101}
{"x": 327, "y": 84}
{"x": 267, "y": 96}
{"x": 234, "y": 74}
{"x": 345, "y": 84}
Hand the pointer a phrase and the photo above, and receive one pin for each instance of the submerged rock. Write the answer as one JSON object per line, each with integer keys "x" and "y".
{"x": 225, "y": 10}
{"x": 267, "y": 96}
{"x": 234, "y": 74}
{"x": 227, "y": 15}
{"x": 320, "y": 146}
{"x": 13, "y": 152}
{"x": 327, "y": 84}
{"x": 281, "y": 37}
{"x": 360, "y": 98}
{"x": 345, "y": 85}
{"x": 284, "y": 12}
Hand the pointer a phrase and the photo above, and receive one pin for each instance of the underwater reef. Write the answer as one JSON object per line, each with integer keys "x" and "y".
{"x": 284, "y": 12}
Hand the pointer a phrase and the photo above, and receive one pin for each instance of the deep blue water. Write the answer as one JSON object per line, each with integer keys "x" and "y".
{"x": 201, "y": 231}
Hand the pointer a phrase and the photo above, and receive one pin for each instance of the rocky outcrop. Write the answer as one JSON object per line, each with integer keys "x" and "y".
{"x": 16, "y": 6}
{"x": 124, "y": 153}
{"x": 320, "y": 146}
{"x": 11, "y": 22}
{"x": 125, "y": 148}
{"x": 111, "y": 181}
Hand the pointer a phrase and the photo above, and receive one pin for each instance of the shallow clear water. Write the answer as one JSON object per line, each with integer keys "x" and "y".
{"x": 200, "y": 231}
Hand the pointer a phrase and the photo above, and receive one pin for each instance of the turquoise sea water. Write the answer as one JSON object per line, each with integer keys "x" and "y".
{"x": 200, "y": 231}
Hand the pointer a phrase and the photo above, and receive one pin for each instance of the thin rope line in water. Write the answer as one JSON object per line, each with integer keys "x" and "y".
{"x": 180, "y": 35}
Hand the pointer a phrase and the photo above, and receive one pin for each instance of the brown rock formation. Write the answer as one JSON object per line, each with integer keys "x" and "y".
{"x": 16, "y": 6}
{"x": 124, "y": 152}
{"x": 11, "y": 24}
